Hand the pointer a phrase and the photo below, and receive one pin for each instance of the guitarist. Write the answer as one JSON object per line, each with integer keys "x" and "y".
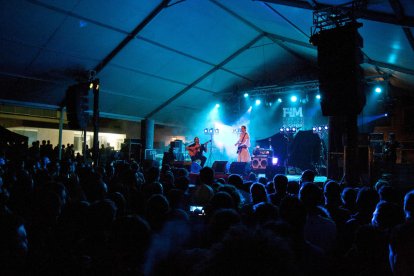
{"x": 195, "y": 150}
{"x": 243, "y": 145}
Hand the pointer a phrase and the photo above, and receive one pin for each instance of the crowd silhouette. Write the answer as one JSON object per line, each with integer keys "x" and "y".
{"x": 71, "y": 218}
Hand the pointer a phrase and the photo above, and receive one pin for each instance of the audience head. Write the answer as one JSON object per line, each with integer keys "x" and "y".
{"x": 265, "y": 212}
{"x": 332, "y": 193}
{"x": 389, "y": 193}
{"x": 307, "y": 176}
{"x": 348, "y": 197}
{"x": 311, "y": 195}
{"x": 280, "y": 183}
{"x": 235, "y": 180}
{"x": 387, "y": 215}
{"x": 366, "y": 200}
{"x": 293, "y": 188}
{"x": 258, "y": 193}
{"x": 207, "y": 175}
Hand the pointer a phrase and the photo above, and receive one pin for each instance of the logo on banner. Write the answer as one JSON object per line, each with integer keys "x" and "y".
{"x": 293, "y": 116}
{"x": 292, "y": 112}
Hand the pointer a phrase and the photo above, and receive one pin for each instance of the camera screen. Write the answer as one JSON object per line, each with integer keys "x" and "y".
{"x": 197, "y": 210}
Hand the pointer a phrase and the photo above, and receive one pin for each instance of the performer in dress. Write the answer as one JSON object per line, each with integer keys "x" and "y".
{"x": 243, "y": 145}
{"x": 195, "y": 150}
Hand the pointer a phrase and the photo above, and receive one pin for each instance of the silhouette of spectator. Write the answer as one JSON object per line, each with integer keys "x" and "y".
{"x": 222, "y": 219}
{"x": 389, "y": 194}
{"x": 366, "y": 202}
{"x": 320, "y": 230}
{"x": 370, "y": 250}
{"x": 234, "y": 193}
{"x": 280, "y": 184}
{"x": 401, "y": 253}
{"x": 339, "y": 215}
{"x": 307, "y": 176}
{"x": 265, "y": 212}
{"x": 157, "y": 209}
{"x": 128, "y": 242}
{"x": 348, "y": 198}
{"x": 293, "y": 188}
{"x": 249, "y": 252}
{"x": 258, "y": 193}
{"x": 237, "y": 181}
{"x": 310, "y": 259}
{"x": 14, "y": 245}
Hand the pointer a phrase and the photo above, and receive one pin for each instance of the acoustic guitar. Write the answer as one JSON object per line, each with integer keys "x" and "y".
{"x": 193, "y": 150}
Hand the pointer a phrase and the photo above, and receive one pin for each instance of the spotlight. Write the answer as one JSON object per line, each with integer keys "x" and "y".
{"x": 205, "y": 130}
{"x": 287, "y": 129}
{"x": 294, "y": 129}
{"x": 386, "y": 114}
{"x": 319, "y": 128}
{"x": 314, "y": 129}
{"x": 217, "y": 131}
{"x": 282, "y": 129}
{"x": 318, "y": 97}
{"x": 246, "y": 95}
{"x": 217, "y": 105}
{"x": 258, "y": 102}
{"x": 275, "y": 160}
{"x": 326, "y": 127}
{"x": 378, "y": 89}
{"x": 279, "y": 100}
{"x": 293, "y": 99}
{"x": 211, "y": 130}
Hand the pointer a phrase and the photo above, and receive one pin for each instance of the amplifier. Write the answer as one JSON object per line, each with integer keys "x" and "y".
{"x": 263, "y": 152}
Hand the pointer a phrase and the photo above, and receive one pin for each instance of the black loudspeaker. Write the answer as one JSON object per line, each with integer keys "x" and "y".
{"x": 241, "y": 168}
{"x": 341, "y": 78}
{"x": 219, "y": 166}
{"x": 77, "y": 105}
{"x": 260, "y": 163}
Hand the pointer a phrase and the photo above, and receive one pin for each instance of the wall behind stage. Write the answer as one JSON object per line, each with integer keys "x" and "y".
{"x": 265, "y": 121}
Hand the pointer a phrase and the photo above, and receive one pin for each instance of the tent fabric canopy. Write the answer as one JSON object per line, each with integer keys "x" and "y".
{"x": 154, "y": 58}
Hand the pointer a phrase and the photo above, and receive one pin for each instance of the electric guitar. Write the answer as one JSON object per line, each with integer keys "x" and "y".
{"x": 239, "y": 148}
{"x": 193, "y": 150}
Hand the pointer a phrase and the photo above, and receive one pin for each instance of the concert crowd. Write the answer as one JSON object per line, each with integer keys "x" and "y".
{"x": 125, "y": 218}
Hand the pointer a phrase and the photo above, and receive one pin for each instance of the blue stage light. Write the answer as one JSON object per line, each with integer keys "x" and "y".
{"x": 318, "y": 96}
{"x": 279, "y": 100}
{"x": 378, "y": 89}
{"x": 293, "y": 99}
{"x": 246, "y": 95}
{"x": 258, "y": 102}
{"x": 217, "y": 105}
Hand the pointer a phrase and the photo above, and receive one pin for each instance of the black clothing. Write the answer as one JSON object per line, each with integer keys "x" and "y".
{"x": 199, "y": 154}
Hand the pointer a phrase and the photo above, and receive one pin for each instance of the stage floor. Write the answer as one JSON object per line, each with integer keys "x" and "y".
{"x": 296, "y": 177}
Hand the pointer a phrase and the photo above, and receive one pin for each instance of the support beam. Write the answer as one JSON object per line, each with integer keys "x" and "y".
{"x": 201, "y": 78}
{"x": 390, "y": 66}
{"x": 131, "y": 36}
{"x": 364, "y": 14}
{"x": 61, "y": 119}
{"x": 280, "y": 38}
